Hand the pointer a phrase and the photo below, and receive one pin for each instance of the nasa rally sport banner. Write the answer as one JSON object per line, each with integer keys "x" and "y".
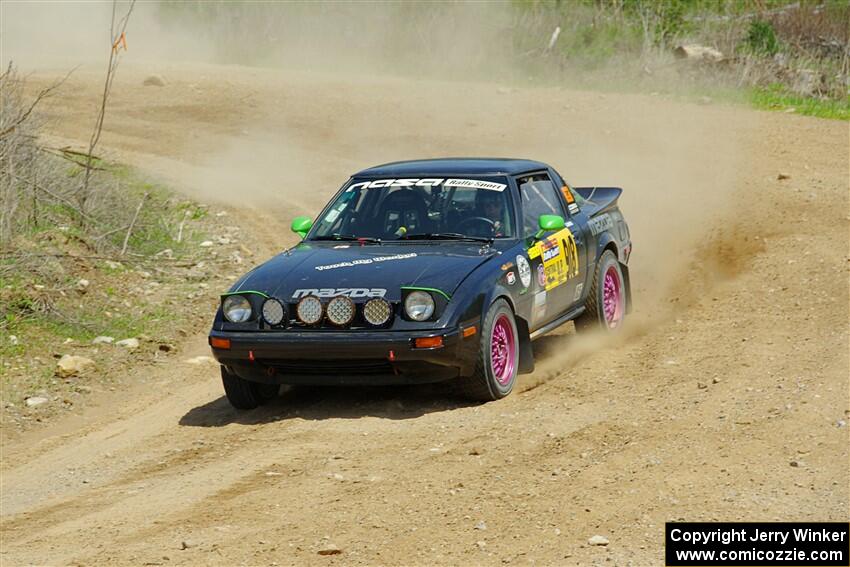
{"x": 757, "y": 543}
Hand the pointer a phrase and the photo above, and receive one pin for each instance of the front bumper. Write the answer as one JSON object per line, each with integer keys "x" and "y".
{"x": 323, "y": 357}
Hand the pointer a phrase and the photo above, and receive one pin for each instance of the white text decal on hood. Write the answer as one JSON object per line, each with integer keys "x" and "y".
{"x": 366, "y": 261}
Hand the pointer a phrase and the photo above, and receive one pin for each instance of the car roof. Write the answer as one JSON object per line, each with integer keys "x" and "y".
{"x": 452, "y": 166}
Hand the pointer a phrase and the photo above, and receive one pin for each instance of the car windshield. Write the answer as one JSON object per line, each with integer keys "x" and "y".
{"x": 419, "y": 209}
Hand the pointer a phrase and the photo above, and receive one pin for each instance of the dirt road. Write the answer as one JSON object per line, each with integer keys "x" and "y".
{"x": 724, "y": 400}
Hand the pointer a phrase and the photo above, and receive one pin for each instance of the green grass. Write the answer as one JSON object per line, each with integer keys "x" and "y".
{"x": 78, "y": 317}
{"x": 81, "y": 318}
{"x": 776, "y": 97}
{"x": 600, "y": 49}
{"x": 159, "y": 216}
{"x": 40, "y": 303}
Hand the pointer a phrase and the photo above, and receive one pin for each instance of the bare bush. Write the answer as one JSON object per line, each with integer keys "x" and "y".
{"x": 25, "y": 177}
{"x": 38, "y": 190}
{"x": 118, "y": 27}
{"x": 819, "y": 30}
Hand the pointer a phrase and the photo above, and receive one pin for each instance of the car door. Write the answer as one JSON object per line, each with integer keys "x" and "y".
{"x": 554, "y": 254}
{"x": 577, "y": 222}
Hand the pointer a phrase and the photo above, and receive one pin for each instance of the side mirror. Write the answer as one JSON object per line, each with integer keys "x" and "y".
{"x": 548, "y": 223}
{"x": 302, "y": 225}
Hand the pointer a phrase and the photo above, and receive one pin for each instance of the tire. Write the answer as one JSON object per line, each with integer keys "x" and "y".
{"x": 603, "y": 311}
{"x": 244, "y": 394}
{"x": 498, "y": 356}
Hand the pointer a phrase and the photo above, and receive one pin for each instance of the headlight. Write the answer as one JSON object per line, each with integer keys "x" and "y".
{"x": 340, "y": 311}
{"x": 377, "y": 311}
{"x": 309, "y": 310}
{"x": 236, "y": 308}
{"x": 419, "y": 305}
{"x": 273, "y": 311}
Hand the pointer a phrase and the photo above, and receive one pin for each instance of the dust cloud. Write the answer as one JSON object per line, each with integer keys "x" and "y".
{"x": 334, "y": 88}
{"x": 410, "y": 38}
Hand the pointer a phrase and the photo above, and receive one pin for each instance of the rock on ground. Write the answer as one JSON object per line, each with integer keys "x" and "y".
{"x": 71, "y": 365}
{"x": 598, "y": 540}
{"x": 201, "y": 360}
{"x": 329, "y": 549}
{"x": 695, "y": 52}
{"x": 154, "y": 81}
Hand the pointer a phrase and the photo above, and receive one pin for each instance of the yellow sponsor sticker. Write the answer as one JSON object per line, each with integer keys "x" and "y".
{"x": 559, "y": 256}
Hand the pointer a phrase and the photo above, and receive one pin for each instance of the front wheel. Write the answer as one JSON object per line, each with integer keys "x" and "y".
{"x": 244, "y": 394}
{"x": 498, "y": 356}
{"x": 605, "y": 307}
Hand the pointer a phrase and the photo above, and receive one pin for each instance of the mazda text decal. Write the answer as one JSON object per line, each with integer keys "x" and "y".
{"x": 366, "y": 261}
{"x": 428, "y": 182}
{"x": 353, "y": 292}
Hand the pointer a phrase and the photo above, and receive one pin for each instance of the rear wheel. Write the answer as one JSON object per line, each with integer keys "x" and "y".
{"x": 244, "y": 394}
{"x": 605, "y": 307}
{"x": 498, "y": 356}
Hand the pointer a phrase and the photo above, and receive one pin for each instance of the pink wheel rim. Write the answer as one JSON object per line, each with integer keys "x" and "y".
{"x": 612, "y": 298}
{"x": 502, "y": 351}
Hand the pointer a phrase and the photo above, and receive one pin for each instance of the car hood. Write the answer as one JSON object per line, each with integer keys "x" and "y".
{"x": 338, "y": 266}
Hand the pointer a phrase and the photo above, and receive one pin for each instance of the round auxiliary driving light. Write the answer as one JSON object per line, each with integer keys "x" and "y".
{"x": 340, "y": 311}
{"x": 309, "y": 310}
{"x": 419, "y": 305}
{"x": 273, "y": 311}
{"x": 377, "y": 311}
{"x": 236, "y": 308}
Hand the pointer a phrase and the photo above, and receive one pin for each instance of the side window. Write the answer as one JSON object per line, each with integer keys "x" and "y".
{"x": 539, "y": 197}
{"x": 574, "y": 199}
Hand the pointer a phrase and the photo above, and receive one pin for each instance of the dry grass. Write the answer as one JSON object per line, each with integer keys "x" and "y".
{"x": 68, "y": 275}
{"x": 602, "y": 42}
{"x": 40, "y": 190}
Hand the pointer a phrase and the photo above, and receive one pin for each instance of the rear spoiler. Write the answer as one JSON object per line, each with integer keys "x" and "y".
{"x": 595, "y": 200}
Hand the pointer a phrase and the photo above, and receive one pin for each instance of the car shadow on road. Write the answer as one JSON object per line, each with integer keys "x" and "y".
{"x": 317, "y": 403}
{"x": 351, "y": 402}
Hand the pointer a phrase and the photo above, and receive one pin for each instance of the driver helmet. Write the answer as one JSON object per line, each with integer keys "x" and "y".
{"x": 489, "y": 204}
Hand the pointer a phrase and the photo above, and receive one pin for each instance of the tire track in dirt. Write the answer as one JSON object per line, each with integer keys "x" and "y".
{"x": 735, "y": 363}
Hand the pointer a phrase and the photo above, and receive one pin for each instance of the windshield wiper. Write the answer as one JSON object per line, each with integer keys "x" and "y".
{"x": 349, "y": 238}
{"x": 446, "y": 236}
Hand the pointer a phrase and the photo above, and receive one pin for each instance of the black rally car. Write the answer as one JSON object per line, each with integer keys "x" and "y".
{"x": 425, "y": 271}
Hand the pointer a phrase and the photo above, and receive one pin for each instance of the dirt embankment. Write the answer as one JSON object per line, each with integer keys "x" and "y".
{"x": 725, "y": 401}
